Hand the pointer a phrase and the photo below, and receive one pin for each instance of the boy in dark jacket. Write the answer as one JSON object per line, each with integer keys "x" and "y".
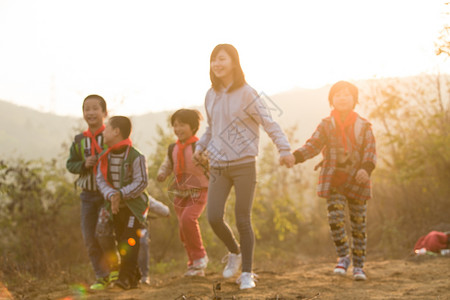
{"x": 83, "y": 156}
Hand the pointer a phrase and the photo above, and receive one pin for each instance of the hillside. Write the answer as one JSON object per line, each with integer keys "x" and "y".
{"x": 30, "y": 134}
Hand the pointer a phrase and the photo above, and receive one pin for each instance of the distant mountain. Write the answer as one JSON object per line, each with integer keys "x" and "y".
{"x": 30, "y": 134}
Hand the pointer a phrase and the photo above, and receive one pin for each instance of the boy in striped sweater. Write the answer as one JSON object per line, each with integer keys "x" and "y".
{"x": 122, "y": 179}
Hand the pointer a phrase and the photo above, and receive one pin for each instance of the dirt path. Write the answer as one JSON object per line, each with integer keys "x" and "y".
{"x": 416, "y": 278}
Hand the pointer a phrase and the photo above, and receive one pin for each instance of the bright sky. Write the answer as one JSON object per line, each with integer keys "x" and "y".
{"x": 154, "y": 55}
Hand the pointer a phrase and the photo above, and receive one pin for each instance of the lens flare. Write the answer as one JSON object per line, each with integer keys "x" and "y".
{"x": 4, "y": 293}
{"x": 79, "y": 290}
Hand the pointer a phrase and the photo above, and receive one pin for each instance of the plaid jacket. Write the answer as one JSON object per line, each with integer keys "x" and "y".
{"x": 325, "y": 139}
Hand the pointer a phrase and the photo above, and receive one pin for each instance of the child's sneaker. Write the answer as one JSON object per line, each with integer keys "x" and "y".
{"x": 194, "y": 272}
{"x": 233, "y": 264}
{"x": 359, "y": 275}
{"x": 200, "y": 263}
{"x": 158, "y": 208}
{"x": 113, "y": 276}
{"x": 246, "y": 280}
{"x": 124, "y": 284}
{"x": 342, "y": 265}
{"x": 145, "y": 280}
{"x": 100, "y": 284}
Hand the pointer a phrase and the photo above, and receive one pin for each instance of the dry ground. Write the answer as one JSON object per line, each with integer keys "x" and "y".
{"x": 412, "y": 278}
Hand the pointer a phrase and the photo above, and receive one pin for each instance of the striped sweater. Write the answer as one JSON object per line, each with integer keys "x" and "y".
{"x": 80, "y": 149}
{"x": 131, "y": 182}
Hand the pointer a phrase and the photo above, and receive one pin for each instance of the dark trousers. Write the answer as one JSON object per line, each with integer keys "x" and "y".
{"x": 243, "y": 178}
{"x": 127, "y": 229}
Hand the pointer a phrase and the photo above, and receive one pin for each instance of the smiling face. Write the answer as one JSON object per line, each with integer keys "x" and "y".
{"x": 343, "y": 100}
{"x": 182, "y": 130}
{"x": 111, "y": 135}
{"x": 222, "y": 66}
{"x": 93, "y": 113}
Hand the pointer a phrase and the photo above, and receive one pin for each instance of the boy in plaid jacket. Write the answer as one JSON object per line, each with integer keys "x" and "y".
{"x": 349, "y": 157}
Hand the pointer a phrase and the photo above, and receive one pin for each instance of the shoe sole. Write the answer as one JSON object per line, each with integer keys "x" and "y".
{"x": 246, "y": 287}
{"x": 340, "y": 271}
{"x": 229, "y": 276}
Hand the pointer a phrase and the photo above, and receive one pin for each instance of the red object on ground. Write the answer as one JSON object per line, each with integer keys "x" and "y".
{"x": 433, "y": 241}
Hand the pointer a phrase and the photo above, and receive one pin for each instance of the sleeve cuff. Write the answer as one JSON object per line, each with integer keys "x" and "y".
{"x": 285, "y": 153}
{"x": 109, "y": 196}
{"x": 368, "y": 167}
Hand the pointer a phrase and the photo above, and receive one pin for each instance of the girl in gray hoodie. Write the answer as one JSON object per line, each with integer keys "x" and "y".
{"x": 234, "y": 113}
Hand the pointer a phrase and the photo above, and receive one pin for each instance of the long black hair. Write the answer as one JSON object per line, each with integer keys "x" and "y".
{"x": 238, "y": 74}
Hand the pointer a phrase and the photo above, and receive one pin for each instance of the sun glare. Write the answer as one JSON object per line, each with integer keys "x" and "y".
{"x": 143, "y": 59}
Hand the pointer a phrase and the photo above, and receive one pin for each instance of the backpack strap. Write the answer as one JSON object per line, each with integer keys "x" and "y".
{"x": 170, "y": 151}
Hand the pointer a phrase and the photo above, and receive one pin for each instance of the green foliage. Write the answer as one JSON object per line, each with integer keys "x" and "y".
{"x": 37, "y": 212}
{"x": 412, "y": 178}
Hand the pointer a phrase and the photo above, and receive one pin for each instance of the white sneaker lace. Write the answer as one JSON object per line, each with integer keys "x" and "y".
{"x": 231, "y": 260}
{"x": 225, "y": 258}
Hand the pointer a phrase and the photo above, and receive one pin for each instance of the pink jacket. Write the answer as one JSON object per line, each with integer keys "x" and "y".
{"x": 193, "y": 177}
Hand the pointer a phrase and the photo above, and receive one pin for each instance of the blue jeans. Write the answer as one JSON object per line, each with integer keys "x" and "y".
{"x": 91, "y": 202}
{"x": 143, "y": 258}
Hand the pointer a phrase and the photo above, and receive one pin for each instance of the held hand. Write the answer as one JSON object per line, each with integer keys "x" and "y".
{"x": 115, "y": 200}
{"x": 198, "y": 158}
{"x": 161, "y": 177}
{"x": 361, "y": 176}
{"x": 90, "y": 161}
{"x": 288, "y": 160}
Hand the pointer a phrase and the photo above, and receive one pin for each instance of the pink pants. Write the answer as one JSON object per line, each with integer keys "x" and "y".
{"x": 188, "y": 211}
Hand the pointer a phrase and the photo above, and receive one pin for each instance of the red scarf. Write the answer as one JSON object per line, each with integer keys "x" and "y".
{"x": 342, "y": 126}
{"x": 94, "y": 145}
{"x": 103, "y": 160}
{"x": 180, "y": 155}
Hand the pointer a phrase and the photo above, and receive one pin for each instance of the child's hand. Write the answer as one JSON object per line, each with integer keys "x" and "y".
{"x": 198, "y": 158}
{"x": 288, "y": 160}
{"x": 361, "y": 176}
{"x": 161, "y": 177}
{"x": 90, "y": 161}
{"x": 115, "y": 200}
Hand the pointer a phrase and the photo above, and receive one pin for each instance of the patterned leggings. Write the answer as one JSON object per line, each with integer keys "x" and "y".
{"x": 336, "y": 218}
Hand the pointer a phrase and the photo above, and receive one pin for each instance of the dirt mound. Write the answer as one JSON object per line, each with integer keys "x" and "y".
{"x": 415, "y": 278}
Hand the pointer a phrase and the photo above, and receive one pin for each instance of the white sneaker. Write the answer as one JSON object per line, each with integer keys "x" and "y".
{"x": 145, "y": 280}
{"x": 157, "y": 207}
{"x": 359, "y": 275}
{"x": 342, "y": 265}
{"x": 247, "y": 280}
{"x": 194, "y": 272}
{"x": 233, "y": 264}
{"x": 200, "y": 263}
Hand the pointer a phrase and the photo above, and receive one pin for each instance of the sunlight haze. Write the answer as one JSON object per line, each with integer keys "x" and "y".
{"x": 154, "y": 55}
